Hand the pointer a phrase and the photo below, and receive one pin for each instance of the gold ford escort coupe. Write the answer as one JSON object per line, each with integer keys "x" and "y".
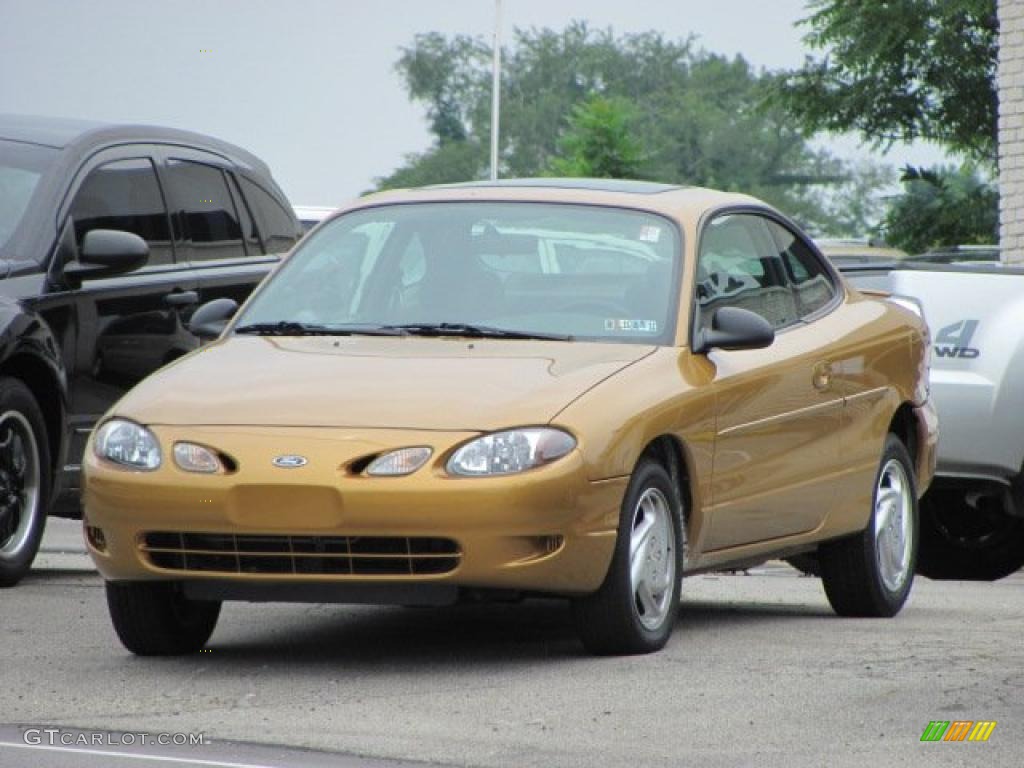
{"x": 574, "y": 388}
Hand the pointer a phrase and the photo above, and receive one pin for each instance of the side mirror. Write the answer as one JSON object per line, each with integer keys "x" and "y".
{"x": 106, "y": 252}
{"x": 735, "y": 328}
{"x": 210, "y": 320}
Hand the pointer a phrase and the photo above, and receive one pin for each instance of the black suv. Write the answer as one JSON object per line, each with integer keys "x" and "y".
{"x": 110, "y": 236}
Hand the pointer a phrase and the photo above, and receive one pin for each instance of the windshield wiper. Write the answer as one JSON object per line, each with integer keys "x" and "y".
{"x": 475, "y": 331}
{"x": 292, "y": 328}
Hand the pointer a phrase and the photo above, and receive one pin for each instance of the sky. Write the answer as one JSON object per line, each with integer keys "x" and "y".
{"x": 310, "y": 85}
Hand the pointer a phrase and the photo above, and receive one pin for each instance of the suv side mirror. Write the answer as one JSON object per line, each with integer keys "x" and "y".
{"x": 735, "y": 328}
{"x": 106, "y": 252}
{"x": 210, "y": 320}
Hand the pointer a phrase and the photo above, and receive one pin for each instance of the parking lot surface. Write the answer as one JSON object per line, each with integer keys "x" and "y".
{"x": 758, "y": 673}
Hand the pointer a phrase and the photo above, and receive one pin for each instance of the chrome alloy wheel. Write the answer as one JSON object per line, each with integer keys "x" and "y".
{"x": 652, "y": 558}
{"x": 894, "y": 525}
{"x": 19, "y": 482}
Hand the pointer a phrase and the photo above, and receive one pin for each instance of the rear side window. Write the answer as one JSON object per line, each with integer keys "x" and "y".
{"x": 812, "y": 283}
{"x": 205, "y": 211}
{"x": 275, "y": 223}
{"x": 125, "y": 195}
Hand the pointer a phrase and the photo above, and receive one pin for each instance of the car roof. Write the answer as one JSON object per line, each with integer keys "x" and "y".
{"x": 669, "y": 200}
{"x": 68, "y": 134}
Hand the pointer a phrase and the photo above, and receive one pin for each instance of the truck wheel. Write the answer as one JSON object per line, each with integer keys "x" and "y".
{"x": 634, "y": 611}
{"x": 970, "y": 542}
{"x": 24, "y": 480}
{"x": 154, "y": 618}
{"x": 870, "y": 573}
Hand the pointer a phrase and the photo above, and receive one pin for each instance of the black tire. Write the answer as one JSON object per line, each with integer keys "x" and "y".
{"x": 610, "y": 621}
{"x": 154, "y": 618}
{"x": 961, "y": 541}
{"x": 23, "y": 445}
{"x": 850, "y": 567}
{"x": 807, "y": 563}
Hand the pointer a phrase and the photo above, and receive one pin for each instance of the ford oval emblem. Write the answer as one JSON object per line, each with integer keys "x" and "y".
{"x": 289, "y": 461}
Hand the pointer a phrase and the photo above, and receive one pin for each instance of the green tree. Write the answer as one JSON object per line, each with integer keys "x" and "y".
{"x": 700, "y": 118}
{"x": 942, "y": 207}
{"x": 901, "y": 71}
{"x": 599, "y": 142}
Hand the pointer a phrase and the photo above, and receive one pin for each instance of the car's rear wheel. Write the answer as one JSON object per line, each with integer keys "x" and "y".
{"x": 154, "y": 618}
{"x": 635, "y": 609}
{"x": 871, "y": 573}
{"x": 24, "y": 480}
{"x": 976, "y": 541}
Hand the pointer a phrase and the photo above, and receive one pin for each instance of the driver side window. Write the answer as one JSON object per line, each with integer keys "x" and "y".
{"x": 738, "y": 266}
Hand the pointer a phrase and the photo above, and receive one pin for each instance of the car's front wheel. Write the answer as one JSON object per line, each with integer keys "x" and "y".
{"x": 870, "y": 573}
{"x": 24, "y": 480}
{"x": 154, "y": 618}
{"x": 635, "y": 609}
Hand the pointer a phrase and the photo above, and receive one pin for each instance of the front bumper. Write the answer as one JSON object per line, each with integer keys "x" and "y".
{"x": 549, "y": 530}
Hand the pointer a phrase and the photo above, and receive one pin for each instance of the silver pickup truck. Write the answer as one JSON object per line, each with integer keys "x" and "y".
{"x": 972, "y": 521}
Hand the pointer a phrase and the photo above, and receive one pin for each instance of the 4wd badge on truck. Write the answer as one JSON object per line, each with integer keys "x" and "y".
{"x": 954, "y": 340}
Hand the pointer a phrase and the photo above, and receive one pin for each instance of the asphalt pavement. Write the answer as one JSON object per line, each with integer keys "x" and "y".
{"x": 758, "y": 673}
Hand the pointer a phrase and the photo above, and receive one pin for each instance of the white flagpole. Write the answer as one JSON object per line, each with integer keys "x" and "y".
{"x": 496, "y": 90}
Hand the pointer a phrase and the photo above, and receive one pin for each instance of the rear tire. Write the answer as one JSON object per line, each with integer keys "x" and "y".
{"x": 961, "y": 541}
{"x": 24, "y": 480}
{"x": 154, "y": 618}
{"x": 635, "y": 609}
{"x": 870, "y": 573}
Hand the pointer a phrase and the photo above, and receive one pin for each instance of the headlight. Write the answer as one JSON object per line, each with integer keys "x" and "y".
{"x": 505, "y": 453}
{"x": 128, "y": 444}
{"x": 404, "y": 461}
{"x": 196, "y": 458}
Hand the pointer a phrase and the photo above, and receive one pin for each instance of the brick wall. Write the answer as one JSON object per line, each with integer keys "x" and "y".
{"x": 1011, "y": 129}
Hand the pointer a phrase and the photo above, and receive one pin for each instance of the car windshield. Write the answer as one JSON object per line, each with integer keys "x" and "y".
{"x": 21, "y": 166}
{"x": 507, "y": 270}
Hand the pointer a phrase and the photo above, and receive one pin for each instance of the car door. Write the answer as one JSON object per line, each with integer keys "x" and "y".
{"x": 776, "y": 413}
{"x": 116, "y": 329}
{"x": 229, "y": 239}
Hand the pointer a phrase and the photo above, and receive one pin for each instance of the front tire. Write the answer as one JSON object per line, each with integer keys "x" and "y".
{"x": 154, "y": 618}
{"x": 24, "y": 480}
{"x": 973, "y": 542}
{"x": 870, "y": 573}
{"x": 634, "y": 611}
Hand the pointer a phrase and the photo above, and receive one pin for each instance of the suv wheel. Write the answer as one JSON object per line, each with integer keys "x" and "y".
{"x": 24, "y": 480}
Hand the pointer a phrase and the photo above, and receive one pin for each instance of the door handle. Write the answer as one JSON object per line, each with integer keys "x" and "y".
{"x": 181, "y": 298}
{"x": 822, "y": 377}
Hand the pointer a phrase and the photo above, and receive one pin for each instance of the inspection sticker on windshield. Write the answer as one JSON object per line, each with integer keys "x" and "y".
{"x": 650, "y": 234}
{"x": 639, "y": 326}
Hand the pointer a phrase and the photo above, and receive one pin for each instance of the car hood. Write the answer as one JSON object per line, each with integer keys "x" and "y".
{"x": 353, "y": 381}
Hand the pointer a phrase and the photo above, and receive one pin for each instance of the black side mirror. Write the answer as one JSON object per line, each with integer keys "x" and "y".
{"x": 210, "y": 320}
{"x": 735, "y": 328}
{"x": 106, "y": 252}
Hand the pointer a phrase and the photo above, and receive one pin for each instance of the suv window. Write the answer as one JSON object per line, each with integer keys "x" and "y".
{"x": 275, "y": 224}
{"x": 739, "y": 266}
{"x": 206, "y": 211}
{"x": 812, "y": 283}
{"x": 124, "y": 194}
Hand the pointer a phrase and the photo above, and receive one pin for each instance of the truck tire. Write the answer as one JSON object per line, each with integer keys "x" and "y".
{"x": 870, "y": 573}
{"x": 24, "y": 480}
{"x": 966, "y": 542}
{"x": 154, "y": 618}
